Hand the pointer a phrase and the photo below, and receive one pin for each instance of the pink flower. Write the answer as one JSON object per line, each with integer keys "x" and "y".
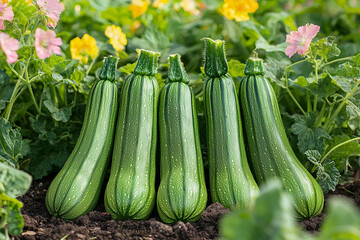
{"x": 6, "y": 13}
{"x": 52, "y": 9}
{"x": 9, "y": 46}
{"x": 46, "y": 43}
{"x": 300, "y": 40}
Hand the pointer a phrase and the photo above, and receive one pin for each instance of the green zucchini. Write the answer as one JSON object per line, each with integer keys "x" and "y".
{"x": 182, "y": 192}
{"x": 76, "y": 189}
{"x": 231, "y": 181}
{"x": 271, "y": 155}
{"x": 130, "y": 192}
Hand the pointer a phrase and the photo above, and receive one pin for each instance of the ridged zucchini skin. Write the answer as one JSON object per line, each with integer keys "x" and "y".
{"x": 182, "y": 194}
{"x": 76, "y": 188}
{"x": 271, "y": 156}
{"x": 130, "y": 192}
{"x": 231, "y": 181}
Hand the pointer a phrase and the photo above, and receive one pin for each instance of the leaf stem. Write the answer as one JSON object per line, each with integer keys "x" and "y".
{"x": 94, "y": 60}
{"x": 338, "y": 60}
{"x": 308, "y": 101}
{"x": 36, "y": 77}
{"x": 28, "y": 83}
{"x": 16, "y": 73}
{"x": 295, "y": 101}
{"x": 321, "y": 115}
{"x": 342, "y": 104}
{"x": 337, "y": 146}
{"x": 287, "y": 86}
{"x": 287, "y": 69}
{"x": 12, "y": 100}
{"x": 33, "y": 98}
{"x": 317, "y": 80}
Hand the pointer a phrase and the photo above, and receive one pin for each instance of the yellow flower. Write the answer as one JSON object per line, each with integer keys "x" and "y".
{"x": 82, "y": 49}
{"x": 190, "y": 6}
{"x": 135, "y": 26}
{"x": 7, "y": 1}
{"x": 160, "y": 3}
{"x": 117, "y": 37}
{"x": 138, "y": 7}
{"x": 239, "y": 9}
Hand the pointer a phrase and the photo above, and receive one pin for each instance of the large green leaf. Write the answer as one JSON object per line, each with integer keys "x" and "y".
{"x": 327, "y": 176}
{"x": 342, "y": 221}
{"x": 15, "y": 182}
{"x": 309, "y": 136}
{"x": 12, "y": 146}
{"x": 272, "y": 218}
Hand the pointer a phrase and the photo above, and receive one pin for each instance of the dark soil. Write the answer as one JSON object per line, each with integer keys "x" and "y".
{"x": 39, "y": 224}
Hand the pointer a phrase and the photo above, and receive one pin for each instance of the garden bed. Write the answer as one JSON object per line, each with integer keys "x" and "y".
{"x": 39, "y": 224}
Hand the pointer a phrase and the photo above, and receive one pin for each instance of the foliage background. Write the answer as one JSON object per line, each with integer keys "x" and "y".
{"x": 63, "y": 84}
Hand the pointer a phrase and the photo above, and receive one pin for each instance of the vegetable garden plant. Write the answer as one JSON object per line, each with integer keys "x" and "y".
{"x": 170, "y": 105}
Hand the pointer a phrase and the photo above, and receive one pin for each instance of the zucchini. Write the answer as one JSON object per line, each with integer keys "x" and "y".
{"x": 231, "y": 181}
{"x": 271, "y": 155}
{"x": 76, "y": 188}
{"x": 182, "y": 192}
{"x": 130, "y": 192}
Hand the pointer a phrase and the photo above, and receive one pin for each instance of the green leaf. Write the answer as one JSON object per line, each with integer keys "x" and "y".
{"x": 356, "y": 59}
{"x": 12, "y": 146}
{"x": 160, "y": 80}
{"x": 6, "y": 89}
{"x": 313, "y": 156}
{"x": 345, "y": 151}
{"x": 327, "y": 176}
{"x": 15, "y": 182}
{"x": 301, "y": 81}
{"x": 353, "y": 109}
{"x": 261, "y": 43}
{"x": 22, "y": 11}
{"x": 325, "y": 48}
{"x": 15, "y": 219}
{"x": 11, "y": 220}
{"x": 342, "y": 221}
{"x": 153, "y": 39}
{"x": 46, "y": 158}
{"x": 128, "y": 68}
{"x": 275, "y": 65}
{"x": 2, "y": 104}
{"x": 57, "y": 76}
{"x": 62, "y": 114}
{"x": 348, "y": 69}
{"x": 324, "y": 88}
{"x": 342, "y": 82}
{"x": 120, "y": 15}
{"x": 272, "y": 218}
{"x": 100, "y": 4}
{"x": 78, "y": 76}
{"x": 309, "y": 136}
{"x": 236, "y": 68}
{"x": 51, "y": 146}
{"x": 25, "y": 53}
